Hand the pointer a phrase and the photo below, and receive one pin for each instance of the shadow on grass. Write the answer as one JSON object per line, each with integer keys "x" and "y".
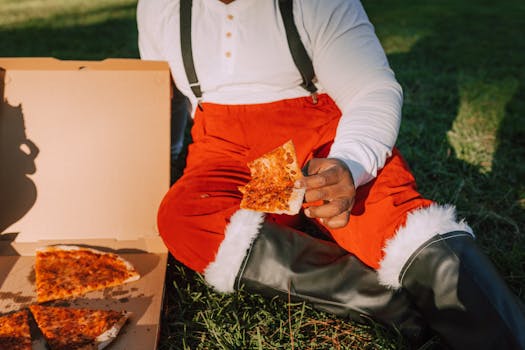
{"x": 103, "y": 32}
{"x": 196, "y": 317}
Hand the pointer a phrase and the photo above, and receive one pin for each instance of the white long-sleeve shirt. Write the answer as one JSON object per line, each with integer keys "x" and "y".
{"x": 242, "y": 56}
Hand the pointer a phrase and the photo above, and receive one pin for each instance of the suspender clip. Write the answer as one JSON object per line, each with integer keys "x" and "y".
{"x": 314, "y": 97}
{"x": 199, "y": 104}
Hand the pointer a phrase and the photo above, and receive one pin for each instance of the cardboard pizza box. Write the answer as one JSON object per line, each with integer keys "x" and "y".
{"x": 84, "y": 159}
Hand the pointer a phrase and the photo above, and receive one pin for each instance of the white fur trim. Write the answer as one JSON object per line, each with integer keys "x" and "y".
{"x": 421, "y": 225}
{"x": 239, "y": 234}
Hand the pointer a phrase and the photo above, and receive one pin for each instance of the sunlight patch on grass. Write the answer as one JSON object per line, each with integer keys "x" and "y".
{"x": 398, "y": 43}
{"x": 482, "y": 106}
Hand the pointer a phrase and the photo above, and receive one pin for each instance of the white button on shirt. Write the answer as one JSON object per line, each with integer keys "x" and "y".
{"x": 241, "y": 56}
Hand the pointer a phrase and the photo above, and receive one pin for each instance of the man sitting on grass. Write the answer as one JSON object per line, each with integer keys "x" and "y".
{"x": 387, "y": 253}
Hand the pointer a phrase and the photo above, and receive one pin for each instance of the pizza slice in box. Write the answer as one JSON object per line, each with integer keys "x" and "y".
{"x": 271, "y": 188}
{"x": 67, "y": 328}
{"x": 14, "y": 331}
{"x": 65, "y": 271}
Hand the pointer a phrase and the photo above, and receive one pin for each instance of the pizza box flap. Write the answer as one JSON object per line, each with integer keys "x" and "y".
{"x": 53, "y": 64}
{"x": 84, "y": 148}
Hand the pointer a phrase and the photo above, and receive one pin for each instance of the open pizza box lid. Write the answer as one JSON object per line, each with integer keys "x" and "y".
{"x": 84, "y": 159}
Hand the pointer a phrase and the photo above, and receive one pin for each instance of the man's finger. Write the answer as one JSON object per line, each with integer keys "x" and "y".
{"x": 315, "y": 195}
{"x": 338, "y": 221}
{"x": 327, "y": 177}
{"x": 329, "y": 193}
{"x": 330, "y": 209}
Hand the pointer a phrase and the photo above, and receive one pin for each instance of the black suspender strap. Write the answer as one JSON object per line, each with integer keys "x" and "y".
{"x": 299, "y": 54}
{"x": 187, "y": 51}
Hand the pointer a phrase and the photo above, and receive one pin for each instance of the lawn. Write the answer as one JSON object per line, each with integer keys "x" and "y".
{"x": 462, "y": 67}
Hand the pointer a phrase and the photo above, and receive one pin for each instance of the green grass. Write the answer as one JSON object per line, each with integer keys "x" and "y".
{"x": 73, "y": 29}
{"x": 462, "y": 67}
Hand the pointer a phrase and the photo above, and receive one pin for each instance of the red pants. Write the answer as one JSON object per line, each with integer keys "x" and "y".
{"x": 194, "y": 213}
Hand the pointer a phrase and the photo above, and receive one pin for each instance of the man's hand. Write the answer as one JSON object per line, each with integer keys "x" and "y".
{"x": 330, "y": 183}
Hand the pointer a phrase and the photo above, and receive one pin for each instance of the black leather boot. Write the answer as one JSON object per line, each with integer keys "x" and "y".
{"x": 462, "y": 296}
{"x": 282, "y": 261}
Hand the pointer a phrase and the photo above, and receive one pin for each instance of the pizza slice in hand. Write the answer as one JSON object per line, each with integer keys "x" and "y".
{"x": 271, "y": 188}
{"x": 66, "y": 271}
{"x": 14, "y": 331}
{"x": 66, "y": 328}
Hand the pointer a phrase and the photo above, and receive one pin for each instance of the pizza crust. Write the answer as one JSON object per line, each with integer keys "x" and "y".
{"x": 295, "y": 202}
{"x": 108, "y": 336}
